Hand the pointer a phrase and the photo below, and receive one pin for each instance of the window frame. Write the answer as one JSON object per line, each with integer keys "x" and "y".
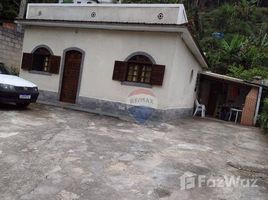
{"x": 121, "y": 72}
{"x": 135, "y": 60}
{"x": 45, "y": 57}
{"x": 52, "y": 65}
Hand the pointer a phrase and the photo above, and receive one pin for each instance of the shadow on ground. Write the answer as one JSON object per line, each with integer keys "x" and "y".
{"x": 11, "y": 107}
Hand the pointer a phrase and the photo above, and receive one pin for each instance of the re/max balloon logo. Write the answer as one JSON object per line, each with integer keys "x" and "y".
{"x": 141, "y": 104}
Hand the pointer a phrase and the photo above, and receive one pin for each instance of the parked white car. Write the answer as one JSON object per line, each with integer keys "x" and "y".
{"x": 14, "y": 89}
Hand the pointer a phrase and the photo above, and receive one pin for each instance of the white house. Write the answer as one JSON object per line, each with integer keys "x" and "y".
{"x": 95, "y": 55}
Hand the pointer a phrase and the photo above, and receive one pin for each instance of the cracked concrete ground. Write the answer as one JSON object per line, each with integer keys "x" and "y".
{"x": 52, "y": 153}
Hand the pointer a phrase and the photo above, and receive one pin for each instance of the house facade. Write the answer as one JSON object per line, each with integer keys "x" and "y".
{"x": 94, "y": 56}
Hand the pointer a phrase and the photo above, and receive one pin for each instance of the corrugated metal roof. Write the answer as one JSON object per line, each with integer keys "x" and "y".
{"x": 231, "y": 79}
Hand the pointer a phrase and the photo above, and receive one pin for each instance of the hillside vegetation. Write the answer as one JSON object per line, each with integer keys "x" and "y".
{"x": 9, "y": 9}
{"x": 234, "y": 37}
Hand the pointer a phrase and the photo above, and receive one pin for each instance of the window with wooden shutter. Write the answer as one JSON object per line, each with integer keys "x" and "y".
{"x": 120, "y": 70}
{"x": 41, "y": 59}
{"x": 157, "y": 76}
{"x": 54, "y": 64}
{"x": 139, "y": 72}
{"x": 139, "y": 69}
{"x": 27, "y": 61}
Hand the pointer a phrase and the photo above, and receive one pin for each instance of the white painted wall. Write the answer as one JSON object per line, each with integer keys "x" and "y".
{"x": 102, "y": 49}
{"x": 181, "y": 90}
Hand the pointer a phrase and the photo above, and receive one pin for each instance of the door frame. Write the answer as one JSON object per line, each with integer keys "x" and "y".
{"x": 62, "y": 71}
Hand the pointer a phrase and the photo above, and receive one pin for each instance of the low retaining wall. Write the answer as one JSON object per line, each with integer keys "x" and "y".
{"x": 113, "y": 109}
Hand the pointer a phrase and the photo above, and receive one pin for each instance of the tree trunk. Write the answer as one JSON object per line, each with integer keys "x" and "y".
{"x": 23, "y": 5}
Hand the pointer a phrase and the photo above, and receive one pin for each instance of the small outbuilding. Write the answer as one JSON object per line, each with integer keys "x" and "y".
{"x": 94, "y": 56}
{"x": 229, "y": 98}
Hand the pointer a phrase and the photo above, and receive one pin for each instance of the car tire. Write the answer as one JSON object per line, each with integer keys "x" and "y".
{"x": 22, "y": 105}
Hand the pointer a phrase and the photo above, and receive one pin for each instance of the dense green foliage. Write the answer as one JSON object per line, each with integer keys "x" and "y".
{"x": 9, "y": 8}
{"x": 243, "y": 52}
{"x": 263, "y": 119}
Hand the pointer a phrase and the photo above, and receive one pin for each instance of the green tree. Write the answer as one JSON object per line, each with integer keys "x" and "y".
{"x": 9, "y": 9}
{"x": 243, "y": 50}
{"x": 240, "y": 56}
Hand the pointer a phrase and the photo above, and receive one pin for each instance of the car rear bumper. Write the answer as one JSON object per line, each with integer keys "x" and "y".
{"x": 14, "y": 97}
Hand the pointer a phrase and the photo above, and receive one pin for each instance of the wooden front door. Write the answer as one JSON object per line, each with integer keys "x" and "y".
{"x": 71, "y": 73}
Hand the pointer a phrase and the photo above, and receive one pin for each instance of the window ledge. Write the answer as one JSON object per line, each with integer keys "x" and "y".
{"x": 40, "y": 72}
{"x": 136, "y": 84}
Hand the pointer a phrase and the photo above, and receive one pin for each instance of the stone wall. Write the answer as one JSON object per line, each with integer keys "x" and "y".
{"x": 11, "y": 38}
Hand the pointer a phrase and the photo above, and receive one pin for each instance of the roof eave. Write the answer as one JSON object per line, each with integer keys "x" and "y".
{"x": 198, "y": 52}
{"x": 232, "y": 79}
{"x": 102, "y": 25}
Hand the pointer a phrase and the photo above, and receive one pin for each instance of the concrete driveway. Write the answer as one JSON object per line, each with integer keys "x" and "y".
{"x": 52, "y": 153}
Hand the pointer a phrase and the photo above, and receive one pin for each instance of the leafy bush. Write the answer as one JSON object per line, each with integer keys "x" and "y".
{"x": 245, "y": 42}
{"x": 263, "y": 118}
{"x": 240, "y": 72}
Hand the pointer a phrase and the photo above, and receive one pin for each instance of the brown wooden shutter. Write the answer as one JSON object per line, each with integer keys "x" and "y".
{"x": 27, "y": 61}
{"x": 157, "y": 75}
{"x": 120, "y": 71}
{"x": 54, "y": 64}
